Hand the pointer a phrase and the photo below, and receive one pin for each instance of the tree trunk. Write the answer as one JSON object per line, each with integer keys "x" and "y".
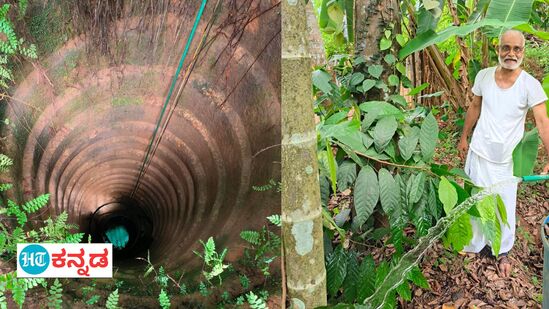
{"x": 301, "y": 209}
{"x": 372, "y": 18}
{"x": 316, "y": 45}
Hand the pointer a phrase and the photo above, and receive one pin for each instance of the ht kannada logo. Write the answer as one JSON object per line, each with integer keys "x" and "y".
{"x": 34, "y": 259}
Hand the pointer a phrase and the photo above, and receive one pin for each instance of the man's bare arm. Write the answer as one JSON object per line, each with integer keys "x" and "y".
{"x": 473, "y": 112}
{"x": 542, "y": 122}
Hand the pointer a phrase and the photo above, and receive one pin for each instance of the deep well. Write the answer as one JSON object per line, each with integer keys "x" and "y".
{"x": 82, "y": 120}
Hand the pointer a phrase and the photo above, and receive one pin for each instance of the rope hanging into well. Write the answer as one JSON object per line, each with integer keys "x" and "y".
{"x": 149, "y": 151}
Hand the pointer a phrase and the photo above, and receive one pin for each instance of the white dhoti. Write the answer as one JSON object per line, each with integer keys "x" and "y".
{"x": 484, "y": 173}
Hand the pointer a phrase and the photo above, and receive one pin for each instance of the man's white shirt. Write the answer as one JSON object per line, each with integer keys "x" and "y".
{"x": 501, "y": 123}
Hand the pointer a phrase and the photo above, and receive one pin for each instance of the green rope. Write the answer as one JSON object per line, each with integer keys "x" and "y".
{"x": 170, "y": 92}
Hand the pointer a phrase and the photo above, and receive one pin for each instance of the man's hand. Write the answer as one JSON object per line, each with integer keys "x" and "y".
{"x": 545, "y": 169}
{"x": 463, "y": 148}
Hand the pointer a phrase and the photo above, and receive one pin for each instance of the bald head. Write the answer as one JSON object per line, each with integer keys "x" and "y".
{"x": 511, "y": 49}
{"x": 511, "y": 34}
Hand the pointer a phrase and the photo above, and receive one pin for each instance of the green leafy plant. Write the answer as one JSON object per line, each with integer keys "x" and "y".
{"x": 269, "y": 186}
{"x": 164, "y": 299}
{"x": 112, "y": 300}
{"x": 11, "y": 45}
{"x": 213, "y": 260}
{"x": 264, "y": 246}
{"x": 381, "y": 151}
{"x": 255, "y": 301}
{"x": 55, "y": 293}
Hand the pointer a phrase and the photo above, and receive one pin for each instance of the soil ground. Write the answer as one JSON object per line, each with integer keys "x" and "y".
{"x": 473, "y": 281}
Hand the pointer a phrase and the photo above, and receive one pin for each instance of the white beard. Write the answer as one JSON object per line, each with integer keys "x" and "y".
{"x": 514, "y": 66}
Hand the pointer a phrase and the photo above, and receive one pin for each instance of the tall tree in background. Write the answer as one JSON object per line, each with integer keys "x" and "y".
{"x": 372, "y": 18}
{"x": 301, "y": 208}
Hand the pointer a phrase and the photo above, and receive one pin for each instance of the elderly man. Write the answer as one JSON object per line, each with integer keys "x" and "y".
{"x": 503, "y": 95}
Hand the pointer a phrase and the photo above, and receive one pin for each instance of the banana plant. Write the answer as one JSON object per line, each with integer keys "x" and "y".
{"x": 500, "y": 15}
{"x": 335, "y": 17}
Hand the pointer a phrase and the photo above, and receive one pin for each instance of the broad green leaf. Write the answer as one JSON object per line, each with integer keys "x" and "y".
{"x": 462, "y": 194}
{"x": 401, "y": 68}
{"x": 479, "y": 10}
{"x": 397, "y": 237}
{"x": 390, "y": 150}
{"x": 367, "y": 140}
{"x": 349, "y": 14}
{"x": 339, "y": 129}
{"x": 350, "y": 286}
{"x": 489, "y": 222}
{"x": 416, "y": 188}
{"x": 429, "y": 37}
{"x": 332, "y": 166}
{"x": 369, "y": 117}
{"x": 382, "y": 271}
{"x": 400, "y": 39}
{"x": 346, "y": 175}
{"x": 544, "y": 35}
{"x": 336, "y": 15}
{"x": 382, "y": 109}
{"x": 356, "y": 78}
{"x": 432, "y": 201}
{"x": 366, "y": 195}
{"x": 398, "y": 99}
{"x": 375, "y": 70}
{"x": 384, "y": 44}
{"x": 322, "y": 158}
{"x": 496, "y": 242}
{"x": 502, "y": 210}
{"x": 418, "y": 89}
{"x": 525, "y": 154}
{"x": 384, "y": 131}
{"x": 368, "y": 84}
{"x": 323, "y": 17}
{"x": 387, "y": 34}
{"x": 428, "y": 136}
{"x": 354, "y": 140}
{"x": 416, "y": 276}
{"x": 336, "y": 270}
{"x": 430, "y": 4}
{"x": 509, "y": 11}
{"x": 381, "y": 85}
{"x": 337, "y": 117}
{"x": 389, "y": 194}
{"x": 461, "y": 232}
{"x": 404, "y": 291}
{"x": 393, "y": 80}
{"x": 430, "y": 95}
{"x": 390, "y": 59}
{"x": 426, "y": 21}
{"x": 376, "y": 155}
{"x": 321, "y": 80}
{"x": 324, "y": 190}
{"x": 401, "y": 181}
{"x": 366, "y": 284}
{"x": 407, "y": 143}
{"x": 460, "y": 173}
{"x": 447, "y": 194}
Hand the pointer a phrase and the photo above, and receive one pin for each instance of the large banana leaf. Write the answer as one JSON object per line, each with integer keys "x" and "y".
{"x": 509, "y": 11}
{"x": 479, "y": 11}
{"x": 525, "y": 154}
{"x": 544, "y": 35}
{"x": 429, "y": 38}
